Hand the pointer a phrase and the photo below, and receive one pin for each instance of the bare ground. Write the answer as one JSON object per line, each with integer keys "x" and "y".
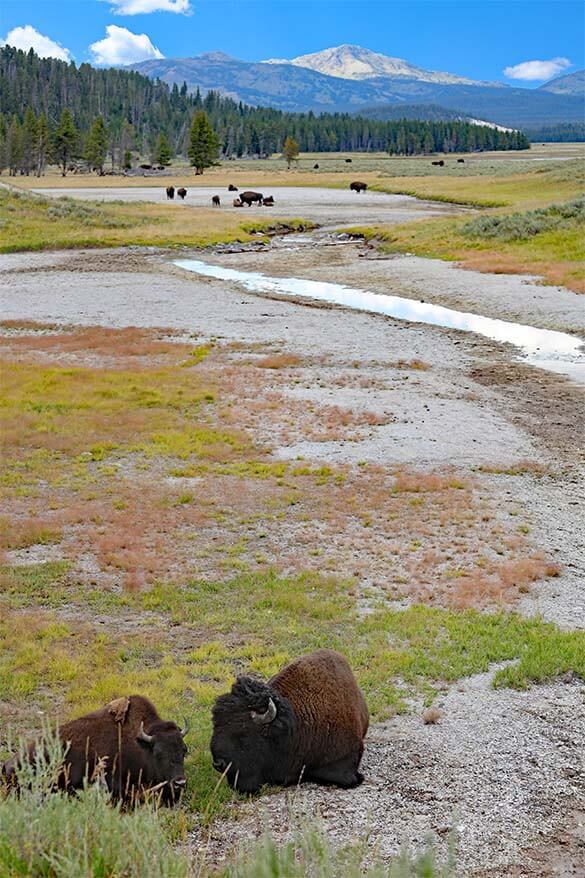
{"x": 505, "y": 767}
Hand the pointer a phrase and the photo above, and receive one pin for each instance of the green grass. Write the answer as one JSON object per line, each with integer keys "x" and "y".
{"x": 521, "y": 226}
{"x": 33, "y": 222}
{"x": 44, "y": 834}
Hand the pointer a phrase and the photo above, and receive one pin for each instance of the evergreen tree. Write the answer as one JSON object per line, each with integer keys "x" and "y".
{"x": 14, "y": 146}
{"x": 163, "y": 153}
{"x": 65, "y": 141}
{"x": 96, "y": 146}
{"x": 203, "y": 143}
{"x": 3, "y": 130}
{"x": 29, "y": 142}
{"x": 290, "y": 151}
{"x": 43, "y": 144}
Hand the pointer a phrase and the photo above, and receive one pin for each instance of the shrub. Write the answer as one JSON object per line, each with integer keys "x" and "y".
{"x": 519, "y": 226}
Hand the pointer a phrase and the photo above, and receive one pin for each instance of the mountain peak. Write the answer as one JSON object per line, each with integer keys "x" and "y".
{"x": 354, "y": 62}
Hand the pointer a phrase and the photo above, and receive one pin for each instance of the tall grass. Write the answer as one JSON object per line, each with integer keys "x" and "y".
{"x": 48, "y": 834}
{"x": 520, "y": 226}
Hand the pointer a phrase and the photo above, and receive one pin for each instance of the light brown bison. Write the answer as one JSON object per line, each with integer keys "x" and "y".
{"x": 307, "y": 723}
{"x": 141, "y": 752}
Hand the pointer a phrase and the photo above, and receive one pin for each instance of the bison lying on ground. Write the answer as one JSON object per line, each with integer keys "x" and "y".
{"x": 461, "y": 161}
{"x": 232, "y": 188}
{"x": 269, "y": 201}
{"x": 440, "y": 163}
{"x": 248, "y": 197}
{"x": 237, "y": 202}
{"x": 215, "y": 200}
{"x": 315, "y": 167}
{"x": 141, "y": 752}
{"x": 181, "y": 193}
{"x": 348, "y": 161}
{"x": 358, "y": 187}
{"x": 170, "y": 192}
{"x": 307, "y": 723}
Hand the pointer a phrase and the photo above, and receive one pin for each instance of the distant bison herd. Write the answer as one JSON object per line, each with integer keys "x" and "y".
{"x": 306, "y": 723}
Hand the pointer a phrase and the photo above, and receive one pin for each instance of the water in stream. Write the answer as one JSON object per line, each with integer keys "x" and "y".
{"x": 545, "y": 348}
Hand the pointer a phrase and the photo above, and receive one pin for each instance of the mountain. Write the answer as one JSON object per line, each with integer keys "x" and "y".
{"x": 295, "y": 88}
{"x": 354, "y": 62}
{"x": 571, "y": 84}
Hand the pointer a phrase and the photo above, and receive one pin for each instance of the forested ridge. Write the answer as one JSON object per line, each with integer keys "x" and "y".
{"x": 137, "y": 110}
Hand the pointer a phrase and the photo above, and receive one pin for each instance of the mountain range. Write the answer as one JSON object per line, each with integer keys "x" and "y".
{"x": 351, "y": 78}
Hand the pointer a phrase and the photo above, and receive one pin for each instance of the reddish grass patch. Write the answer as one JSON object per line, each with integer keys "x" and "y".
{"x": 279, "y": 361}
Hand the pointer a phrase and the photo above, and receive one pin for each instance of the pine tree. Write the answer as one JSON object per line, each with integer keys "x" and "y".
{"x": 96, "y": 146}
{"x": 203, "y": 143}
{"x": 3, "y": 131}
{"x": 290, "y": 151}
{"x": 163, "y": 152}
{"x": 43, "y": 144}
{"x": 29, "y": 141}
{"x": 65, "y": 141}
{"x": 14, "y": 146}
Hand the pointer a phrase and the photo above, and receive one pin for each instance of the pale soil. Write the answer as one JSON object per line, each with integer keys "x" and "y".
{"x": 324, "y": 206}
{"x": 510, "y": 764}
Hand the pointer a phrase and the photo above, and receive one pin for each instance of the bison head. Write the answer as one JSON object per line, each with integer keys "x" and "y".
{"x": 165, "y": 743}
{"x": 252, "y": 731}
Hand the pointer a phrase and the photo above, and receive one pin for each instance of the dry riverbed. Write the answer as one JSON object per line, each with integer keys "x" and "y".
{"x": 496, "y": 443}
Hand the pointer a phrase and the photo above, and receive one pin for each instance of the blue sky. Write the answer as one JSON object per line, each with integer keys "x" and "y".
{"x": 475, "y": 38}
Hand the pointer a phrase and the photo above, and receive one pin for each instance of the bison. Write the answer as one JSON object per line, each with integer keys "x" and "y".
{"x": 348, "y": 161}
{"x": 140, "y": 751}
{"x": 440, "y": 163}
{"x": 181, "y": 193}
{"x": 269, "y": 201}
{"x": 232, "y": 188}
{"x": 170, "y": 192}
{"x": 358, "y": 187}
{"x": 461, "y": 161}
{"x": 237, "y": 202}
{"x": 215, "y": 200}
{"x": 307, "y": 723}
{"x": 315, "y": 167}
{"x": 248, "y": 197}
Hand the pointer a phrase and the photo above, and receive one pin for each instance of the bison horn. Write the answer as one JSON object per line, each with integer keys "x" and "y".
{"x": 263, "y": 719}
{"x": 142, "y": 736}
{"x": 185, "y": 728}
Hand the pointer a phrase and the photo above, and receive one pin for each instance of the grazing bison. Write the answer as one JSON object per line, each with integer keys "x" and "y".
{"x": 141, "y": 752}
{"x": 182, "y": 193}
{"x": 269, "y": 201}
{"x": 249, "y": 197}
{"x": 237, "y": 202}
{"x": 145, "y": 167}
{"x": 307, "y": 723}
{"x": 215, "y": 200}
{"x": 315, "y": 167}
{"x": 358, "y": 187}
{"x": 170, "y": 192}
{"x": 232, "y": 188}
{"x": 348, "y": 161}
{"x": 461, "y": 161}
{"x": 440, "y": 163}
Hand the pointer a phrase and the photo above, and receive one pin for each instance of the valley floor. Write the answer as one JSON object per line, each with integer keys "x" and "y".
{"x": 182, "y": 439}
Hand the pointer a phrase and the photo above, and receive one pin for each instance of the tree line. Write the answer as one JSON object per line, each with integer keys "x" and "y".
{"x": 130, "y": 117}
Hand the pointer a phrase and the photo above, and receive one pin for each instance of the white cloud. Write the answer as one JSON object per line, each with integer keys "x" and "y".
{"x": 139, "y": 7}
{"x": 533, "y": 70}
{"x": 28, "y": 37}
{"x": 121, "y": 46}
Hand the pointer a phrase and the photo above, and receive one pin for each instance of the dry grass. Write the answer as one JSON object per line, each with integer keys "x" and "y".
{"x": 280, "y": 361}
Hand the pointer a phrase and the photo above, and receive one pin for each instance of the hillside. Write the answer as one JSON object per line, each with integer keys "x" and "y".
{"x": 571, "y": 84}
{"x": 294, "y": 88}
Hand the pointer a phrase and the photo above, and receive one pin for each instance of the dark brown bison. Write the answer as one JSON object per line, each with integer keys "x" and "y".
{"x": 141, "y": 752}
{"x": 439, "y": 164}
{"x": 461, "y": 161}
{"x": 348, "y": 161}
{"x": 237, "y": 202}
{"x": 315, "y": 167}
{"x": 358, "y": 187}
{"x": 249, "y": 197}
{"x": 181, "y": 193}
{"x": 170, "y": 192}
{"x": 232, "y": 188}
{"x": 145, "y": 167}
{"x": 269, "y": 201}
{"x": 307, "y": 723}
{"x": 215, "y": 200}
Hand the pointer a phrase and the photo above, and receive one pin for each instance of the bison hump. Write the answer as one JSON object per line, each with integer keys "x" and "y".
{"x": 119, "y": 708}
